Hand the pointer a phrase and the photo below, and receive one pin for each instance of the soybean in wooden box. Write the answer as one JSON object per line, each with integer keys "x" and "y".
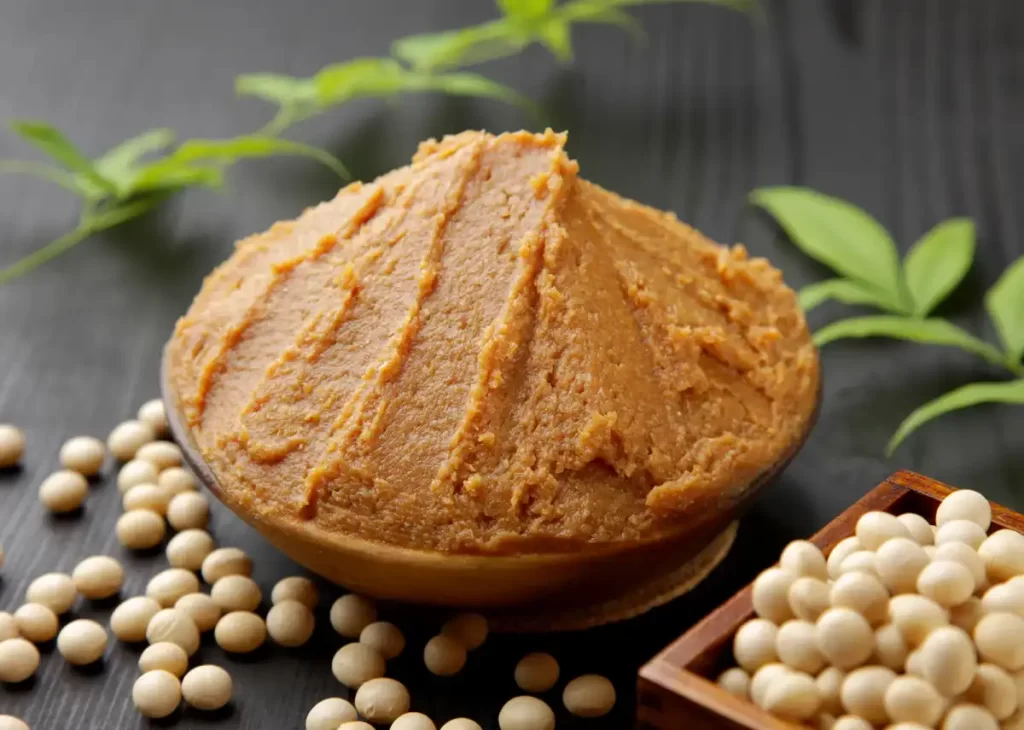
{"x": 677, "y": 688}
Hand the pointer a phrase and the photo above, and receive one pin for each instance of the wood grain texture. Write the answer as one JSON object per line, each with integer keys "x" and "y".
{"x": 912, "y": 110}
{"x": 682, "y": 676}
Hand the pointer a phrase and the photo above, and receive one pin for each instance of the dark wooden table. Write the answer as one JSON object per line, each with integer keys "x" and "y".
{"x": 912, "y": 110}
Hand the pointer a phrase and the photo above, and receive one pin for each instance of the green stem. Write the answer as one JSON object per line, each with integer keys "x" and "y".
{"x": 47, "y": 252}
{"x": 282, "y": 120}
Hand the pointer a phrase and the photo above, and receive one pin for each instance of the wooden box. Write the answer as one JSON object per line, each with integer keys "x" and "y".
{"x": 677, "y": 689}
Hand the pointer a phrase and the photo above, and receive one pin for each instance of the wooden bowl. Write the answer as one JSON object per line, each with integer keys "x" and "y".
{"x": 677, "y": 688}
{"x": 551, "y": 581}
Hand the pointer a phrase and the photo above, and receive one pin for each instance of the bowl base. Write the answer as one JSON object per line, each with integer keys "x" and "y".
{"x": 641, "y": 598}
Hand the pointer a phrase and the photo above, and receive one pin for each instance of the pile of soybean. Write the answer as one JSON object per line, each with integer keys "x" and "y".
{"x": 906, "y": 625}
{"x": 159, "y": 496}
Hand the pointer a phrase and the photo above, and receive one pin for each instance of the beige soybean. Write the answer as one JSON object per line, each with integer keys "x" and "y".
{"x": 916, "y": 616}
{"x": 131, "y": 618}
{"x": 526, "y": 713}
{"x": 912, "y": 699}
{"x": 290, "y": 623}
{"x": 240, "y": 632}
{"x": 156, "y": 694}
{"x": 948, "y": 660}
{"x": 188, "y": 510}
{"x": 63, "y": 491}
{"x": 56, "y": 591}
{"x": 461, "y": 723}
{"x": 153, "y": 414}
{"x": 891, "y": 648}
{"x": 413, "y": 721}
{"x": 803, "y": 558}
{"x": 146, "y": 496}
{"x": 207, "y": 687}
{"x": 755, "y": 644}
{"x": 863, "y": 692}
{"x": 946, "y": 582}
{"x": 734, "y": 681}
{"x": 964, "y": 504}
{"x": 167, "y": 586}
{"x": 918, "y": 527}
{"x": 444, "y": 656}
{"x": 140, "y": 529}
{"x": 8, "y": 627}
{"x": 236, "y": 593}
{"x": 852, "y": 722}
{"x": 862, "y": 561}
{"x": 589, "y": 696}
{"x": 797, "y": 647}
{"x": 843, "y": 549}
{"x": 469, "y": 629}
{"x": 969, "y": 717}
{"x": 844, "y": 637}
{"x": 995, "y": 690}
{"x": 127, "y": 438}
{"x": 964, "y": 531}
{"x": 793, "y": 696}
{"x": 538, "y": 672}
{"x": 164, "y": 656}
{"x": 875, "y": 528}
{"x": 19, "y": 659}
{"x": 1003, "y": 555}
{"x": 296, "y": 588}
{"x": 763, "y": 678}
{"x": 12, "y": 445}
{"x": 98, "y": 577}
{"x": 830, "y": 684}
{"x": 82, "y": 642}
{"x": 385, "y": 637}
{"x": 898, "y": 563}
{"x": 136, "y": 472}
{"x": 330, "y": 713}
{"x": 174, "y": 626}
{"x": 189, "y": 548}
{"x": 36, "y": 622}
{"x": 1004, "y": 598}
{"x": 771, "y": 595}
{"x": 83, "y": 454}
{"x": 967, "y": 614}
{"x": 177, "y": 480}
{"x": 161, "y": 454}
{"x": 356, "y": 725}
{"x": 808, "y": 598}
{"x": 9, "y": 722}
{"x": 862, "y": 593}
{"x": 225, "y": 561}
{"x": 201, "y": 609}
{"x": 965, "y": 555}
{"x": 352, "y": 613}
{"x": 382, "y": 700}
{"x": 1000, "y": 640}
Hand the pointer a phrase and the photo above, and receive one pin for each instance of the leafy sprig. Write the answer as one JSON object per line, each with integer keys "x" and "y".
{"x": 858, "y": 248}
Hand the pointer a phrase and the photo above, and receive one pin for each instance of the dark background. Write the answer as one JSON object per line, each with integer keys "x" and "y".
{"x": 912, "y": 110}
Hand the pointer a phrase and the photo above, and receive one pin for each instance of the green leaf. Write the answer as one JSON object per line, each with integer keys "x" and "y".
{"x": 556, "y": 36}
{"x": 87, "y": 227}
{"x": 52, "y": 142}
{"x": 170, "y": 175}
{"x": 600, "y": 11}
{"x": 838, "y": 234}
{"x": 464, "y": 83}
{"x": 230, "y": 150}
{"x": 526, "y": 9}
{"x": 926, "y": 331}
{"x": 277, "y": 88}
{"x": 938, "y": 262}
{"x": 1005, "y": 304}
{"x": 974, "y": 394}
{"x": 45, "y": 172}
{"x": 460, "y": 48}
{"x": 846, "y": 291}
{"x": 120, "y": 165}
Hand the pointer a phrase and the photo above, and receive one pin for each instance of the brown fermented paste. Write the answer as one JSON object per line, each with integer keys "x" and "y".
{"x": 483, "y": 353}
